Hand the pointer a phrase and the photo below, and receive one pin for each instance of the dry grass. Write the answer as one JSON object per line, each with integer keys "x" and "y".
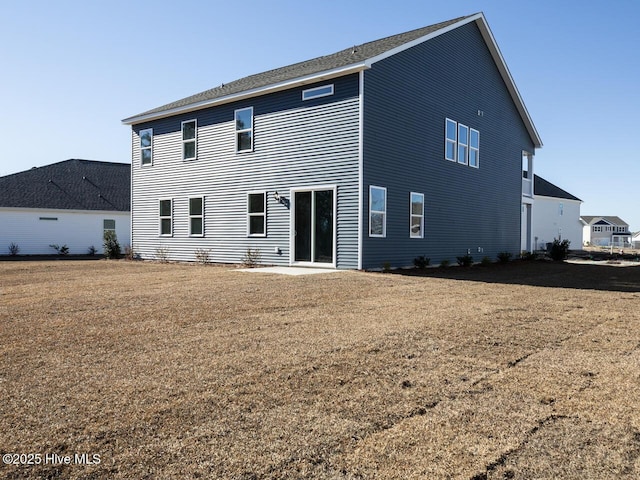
{"x": 186, "y": 371}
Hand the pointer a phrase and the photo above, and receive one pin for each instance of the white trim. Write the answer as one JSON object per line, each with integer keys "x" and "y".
{"x": 411, "y": 215}
{"x": 243, "y": 130}
{"x": 160, "y": 217}
{"x": 292, "y": 225}
{"x": 263, "y": 214}
{"x": 62, "y": 210}
{"x": 150, "y": 147}
{"x": 384, "y": 221}
{"x": 360, "y": 168}
{"x": 312, "y": 95}
{"x": 189, "y": 140}
{"x": 201, "y": 216}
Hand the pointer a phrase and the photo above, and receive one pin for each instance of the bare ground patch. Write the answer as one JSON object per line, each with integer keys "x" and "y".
{"x": 169, "y": 371}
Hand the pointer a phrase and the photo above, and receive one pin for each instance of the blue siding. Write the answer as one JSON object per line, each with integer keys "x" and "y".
{"x": 407, "y": 98}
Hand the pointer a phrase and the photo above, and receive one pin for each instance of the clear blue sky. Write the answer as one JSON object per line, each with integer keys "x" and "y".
{"x": 71, "y": 70}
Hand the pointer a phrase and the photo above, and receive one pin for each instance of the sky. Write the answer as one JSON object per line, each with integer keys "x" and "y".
{"x": 70, "y": 71}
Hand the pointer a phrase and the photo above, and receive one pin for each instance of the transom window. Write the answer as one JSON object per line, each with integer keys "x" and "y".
{"x": 244, "y": 129}
{"x": 189, "y": 140}
{"x": 146, "y": 146}
{"x": 257, "y": 214}
{"x": 461, "y": 144}
{"x": 317, "y": 92}
{"x": 166, "y": 217}
{"x": 196, "y": 216}
{"x": 377, "y": 211}
{"x": 417, "y": 215}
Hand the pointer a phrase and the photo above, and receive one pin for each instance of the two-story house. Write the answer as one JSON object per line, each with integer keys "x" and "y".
{"x": 406, "y": 146}
{"x": 605, "y": 231}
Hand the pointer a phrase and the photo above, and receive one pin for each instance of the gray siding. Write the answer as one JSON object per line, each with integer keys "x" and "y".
{"x": 296, "y": 144}
{"x": 407, "y": 98}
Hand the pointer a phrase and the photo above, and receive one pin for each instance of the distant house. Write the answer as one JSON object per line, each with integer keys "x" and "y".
{"x": 606, "y": 231}
{"x": 635, "y": 239}
{"x": 66, "y": 203}
{"x": 407, "y": 146}
{"x": 556, "y": 215}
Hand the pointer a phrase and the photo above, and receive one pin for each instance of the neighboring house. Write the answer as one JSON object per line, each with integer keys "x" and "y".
{"x": 406, "y": 146}
{"x": 605, "y": 231}
{"x": 66, "y": 203}
{"x": 556, "y": 215}
{"x": 635, "y": 240}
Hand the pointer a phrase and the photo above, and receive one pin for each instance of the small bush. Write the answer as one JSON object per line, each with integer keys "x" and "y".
{"x": 202, "y": 255}
{"x": 486, "y": 261}
{"x": 444, "y": 263}
{"x": 251, "y": 258}
{"x": 465, "y": 260}
{"x": 421, "y": 261}
{"x": 386, "y": 267}
{"x": 91, "y": 250}
{"x": 504, "y": 257}
{"x": 62, "y": 250}
{"x": 559, "y": 250}
{"x": 528, "y": 256}
{"x": 14, "y": 249}
{"x": 129, "y": 254}
{"x": 111, "y": 245}
{"x": 162, "y": 254}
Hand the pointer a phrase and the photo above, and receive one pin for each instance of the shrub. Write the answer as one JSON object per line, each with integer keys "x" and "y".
{"x": 162, "y": 254}
{"x": 486, "y": 261}
{"x": 13, "y": 249}
{"x": 528, "y": 256}
{"x": 444, "y": 263}
{"x": 559, "y": 249}
{"x": 504, "y": 257}
{"x": 129, "y": 254}
{"x": 62, "y": 250}
{"x": 465, "y": 260}
{"x": 386, "y": 267}
{"x": 91, "y": 250}
{"x": 111, "y": 245}
{"x": 421, "y": 261}
{"x": 251, "y": 258}
{"x": 202, "y": 255}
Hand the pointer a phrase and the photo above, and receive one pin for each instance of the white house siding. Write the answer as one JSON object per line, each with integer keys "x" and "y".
{"x": 33, "y": 230}
{"x": 548, "y": 224}
{"x": 293, "y": 147}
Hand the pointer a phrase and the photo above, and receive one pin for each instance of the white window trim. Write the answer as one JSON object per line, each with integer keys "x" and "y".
{"x": 465, "y": 160}
{"x": 310, "y": 95}
{"x": 263, "y": 214}
{"x": 160, "y": 218}
{"x": 384, "y": 213}
{"x": 236, "y": 131}
{"x": 105, "y": 229}
{"x": 411, "y": 215}
{"x": 448, "y": 141}
{"x": 194, "y": 139}
{"x": 475, "y": 149}
{"x": 150, "y": 147}
{"x": 191, "y": 234}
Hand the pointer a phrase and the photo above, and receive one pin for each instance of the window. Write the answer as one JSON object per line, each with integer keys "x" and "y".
{"x": 561, "y": 209}
{"x": 146, "y": 146}
{"x": 451, "y": 140}
{"x": 463, "y": 143}
{"x": 317, "y": 92}
{"x": 257, "y": 214}
{"x": 417, "y": 215}
{"x": 166, "y": 217}
{"x": 196, "y": 217}
{"x": 377, "y": 211}
{"x": 189, "y": 140}
{"x": 597, "y": 228}
{"x": 108, "y": 226}
{"x": 244, "y": 130}
{"x": 474, "y": 148}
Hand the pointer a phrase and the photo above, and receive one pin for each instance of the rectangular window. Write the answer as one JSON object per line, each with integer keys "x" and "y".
{"x": 166, "y": 217}
{"x": 244, "y": 130}
{"x": 561, "y": 209}
{"x": 257, "y": 214}
{"x": 317, "y": 92}
{"x": 108, "y": 226}
{"x": 189, "y": 140}
{"x": 196, "y": 216}
{"x": 417, "y": 215}
{"x": 597, "y": 229}
{"x": 377, "y": 211}
{"x": 463, "y": 143}
{"x": 451, "y": 140}
{"x": 146, "y": 146}
{"x": 474, "y": 148}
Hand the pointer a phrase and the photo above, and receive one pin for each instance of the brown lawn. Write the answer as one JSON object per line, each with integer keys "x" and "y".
{"x": 528, "y": 370}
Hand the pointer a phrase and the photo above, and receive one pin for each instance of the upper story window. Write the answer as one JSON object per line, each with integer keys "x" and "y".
{"x": 561, "y": 209}
{"x": 474, "y": 148}
{"x": 377, "y": 211}
{"x": 146, "y": 146}
{"x": 417, "y": 215}
{"x": 597, "y": 228}
{"x": 257, "y": 214}
{"x": 317, "y": 92}
{"x": 451, "y": 140}
{"x": 166, "y": 217}
{"x": 196, "y": 216}
{"x": 189, "y": 140}
{"x": 244, "y": 129}
{"x": 461, "y": 144}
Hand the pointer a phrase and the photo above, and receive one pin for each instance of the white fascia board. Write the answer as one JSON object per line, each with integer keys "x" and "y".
{"x": 276, "y": 87}
{"x": 51, "y": 211}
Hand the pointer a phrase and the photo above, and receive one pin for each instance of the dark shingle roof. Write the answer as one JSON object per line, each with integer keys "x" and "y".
{"x": 70, "y": 185}
{"x": 588, "y": 219}
{"x": 547, "y": 189}
{"x": 343, "y": 58}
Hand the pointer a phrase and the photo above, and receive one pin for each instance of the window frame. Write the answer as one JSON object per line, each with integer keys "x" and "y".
{"x": 104, "y": 227}
{"x": 189, "y": 140}
{"x": 243, "y": 130}
{"x": 412, "y": 215}
{"x": 465, "y": 160}
{"x": 194, "y": 216}
{"x": 473, "y": 148}
{"x": 143, "y": 148}
{"x": 165, "y": 217}
{"x": 262, "y": 214}
{"x": 378, "y": 212}
{"x": 448, "y": 141}
{"x": 309, "y": 94}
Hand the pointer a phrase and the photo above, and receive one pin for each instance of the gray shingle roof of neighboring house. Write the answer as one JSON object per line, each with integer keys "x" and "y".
{"x": 70, "y": 185}
{"x": 351, "y": 59}
{"x": 588, "y": 219}
{"x": 545, "y": 188}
